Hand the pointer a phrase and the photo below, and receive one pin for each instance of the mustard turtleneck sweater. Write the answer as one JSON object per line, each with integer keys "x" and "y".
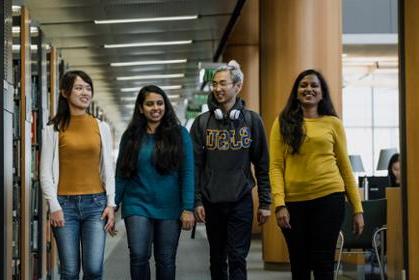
{"x": 79, "y": 154}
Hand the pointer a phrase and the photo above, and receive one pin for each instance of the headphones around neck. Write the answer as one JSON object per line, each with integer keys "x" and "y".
{"x": 234, "y": 114}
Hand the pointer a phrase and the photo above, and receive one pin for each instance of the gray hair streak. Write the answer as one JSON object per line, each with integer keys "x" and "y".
{"x": 235, "y": 72}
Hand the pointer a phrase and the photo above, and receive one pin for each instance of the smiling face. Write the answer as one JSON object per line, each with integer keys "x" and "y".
{"x": 309, "y": 91}
{"x": 224, "y": 89}
{"x": 153, "y": 107}
{"x": 80, "y": 96}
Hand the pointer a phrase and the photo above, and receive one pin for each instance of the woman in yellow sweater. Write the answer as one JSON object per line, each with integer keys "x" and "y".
{"x": 310, "y": 174}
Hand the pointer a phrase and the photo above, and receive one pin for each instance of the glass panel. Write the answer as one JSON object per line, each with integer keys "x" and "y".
{"x": 359, "y": 144}
{"x": 357, "y": 106}
{"x": 386, "y": 107}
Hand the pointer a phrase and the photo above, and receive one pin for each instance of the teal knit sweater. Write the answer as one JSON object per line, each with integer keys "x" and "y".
{"x": 153, "y": 195}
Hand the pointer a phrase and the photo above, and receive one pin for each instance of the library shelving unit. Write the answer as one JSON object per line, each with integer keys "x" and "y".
{"x": 29, "y": 77}
{"x": 21, "y": 264}
{"x": 6, "y": 140}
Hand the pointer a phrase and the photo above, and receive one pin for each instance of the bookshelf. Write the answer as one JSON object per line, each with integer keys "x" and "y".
{"x": 29, "y": 254}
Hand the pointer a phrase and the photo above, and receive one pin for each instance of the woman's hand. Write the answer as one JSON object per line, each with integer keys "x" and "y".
{"x": 57, "y": 218}
{"x": 188, "y": 220}
{"x": 358, "y": 223}
{"x": 113, "y": 231}
{"x": 109, "y": 216}
{"x": 283, "y": 218}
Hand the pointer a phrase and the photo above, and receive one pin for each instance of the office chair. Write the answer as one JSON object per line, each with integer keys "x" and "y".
{"x": 375, "y": 223}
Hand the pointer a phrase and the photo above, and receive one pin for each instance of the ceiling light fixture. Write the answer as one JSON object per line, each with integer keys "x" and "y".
{"x": 16, "y": 9}
{"x": 150, "y": 77}
{"x": 33, "y": 47}
{"x": 132, "y": 20}
{"x": 151, "y": 62}
{"x": 149, "y": 44}
{"x": 162, "y": 87}
{"x": 16, "y": 29}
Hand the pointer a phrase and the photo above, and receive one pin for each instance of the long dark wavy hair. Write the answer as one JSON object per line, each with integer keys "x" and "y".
{"x": 61, "y": 120}
{"x": 392, "y": 178}
{"x": 168, "y": 151}
{"x": 291, "y": 118}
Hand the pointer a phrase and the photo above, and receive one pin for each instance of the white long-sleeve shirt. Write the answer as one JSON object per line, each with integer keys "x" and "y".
{"x": 49, "y": 167}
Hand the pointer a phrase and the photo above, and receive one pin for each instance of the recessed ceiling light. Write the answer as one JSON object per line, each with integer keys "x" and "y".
{"x": 16, "y": 29}
{"x": 149, "y": 44}
{"x": 150, "y": 77}
{"x": 131, "y": 20}
{"x": 151, "y": 62}
{"x": 16, "y": 9}
{"x": 33, "y": 47}
{"x": 162, "y": 87}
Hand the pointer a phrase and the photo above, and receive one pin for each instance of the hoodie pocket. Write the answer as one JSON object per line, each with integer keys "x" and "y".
{"x": 226, "y": 185}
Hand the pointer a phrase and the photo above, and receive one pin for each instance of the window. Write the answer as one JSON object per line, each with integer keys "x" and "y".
{"x": 371, "y": 116}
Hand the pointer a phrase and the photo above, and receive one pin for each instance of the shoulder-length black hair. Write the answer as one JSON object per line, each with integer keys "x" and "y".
{"x": 292, "y": 117}
{"x": 61, "y": 120}
{"x": 168, "y": 151}
{"x": 391, "y": 177}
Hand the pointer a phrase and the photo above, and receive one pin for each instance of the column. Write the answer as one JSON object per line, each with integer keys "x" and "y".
{"x": 243, "y": 46}
{"x": 296, "y": 35}
{"x": 409, "y": 100}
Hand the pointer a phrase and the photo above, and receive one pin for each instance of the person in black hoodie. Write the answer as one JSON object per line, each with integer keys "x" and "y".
{"x": 227, "y": 139}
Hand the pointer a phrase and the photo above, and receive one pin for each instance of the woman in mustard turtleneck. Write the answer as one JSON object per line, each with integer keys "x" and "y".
{"x": 77, "y": 179}
{"x": 310, "y": 174}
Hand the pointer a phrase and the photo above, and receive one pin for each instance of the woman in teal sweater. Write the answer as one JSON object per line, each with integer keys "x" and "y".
{"x": 155, "y": 184}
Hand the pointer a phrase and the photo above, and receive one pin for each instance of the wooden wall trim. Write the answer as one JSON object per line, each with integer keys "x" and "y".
{"x": 410, "y": 71}
{"x": 25, "y": 144}
{"x": 53, "y": 81}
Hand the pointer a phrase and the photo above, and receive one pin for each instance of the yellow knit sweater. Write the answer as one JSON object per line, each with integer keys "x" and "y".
{"x": 320, "y": 168}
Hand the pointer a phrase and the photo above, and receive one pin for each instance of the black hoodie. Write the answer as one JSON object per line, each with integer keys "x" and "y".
{"x": 224, "y": 150}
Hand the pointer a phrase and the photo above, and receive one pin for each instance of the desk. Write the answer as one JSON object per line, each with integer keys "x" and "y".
{"x": 394, "y": 234}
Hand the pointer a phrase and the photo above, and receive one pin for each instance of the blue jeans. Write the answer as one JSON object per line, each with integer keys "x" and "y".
{"x": 164, "y": 234}
{"x": 82, "y": 226}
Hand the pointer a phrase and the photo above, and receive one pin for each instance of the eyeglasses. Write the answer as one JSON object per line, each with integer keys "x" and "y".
{"x": 222, "y": 85}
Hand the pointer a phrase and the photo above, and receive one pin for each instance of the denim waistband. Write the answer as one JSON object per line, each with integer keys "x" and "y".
{"x": 83, "y": 196}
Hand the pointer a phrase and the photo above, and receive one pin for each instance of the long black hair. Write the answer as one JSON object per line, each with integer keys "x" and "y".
{"x": 61, "y": 120}
{"x": 392, "y": 178}
{"x": 292, "y": 117}
{"x": 168, "y": 151}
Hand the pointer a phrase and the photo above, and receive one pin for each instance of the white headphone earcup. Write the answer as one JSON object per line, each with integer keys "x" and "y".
{"x": 218, "y": 114}
{"x": 234, "y": 114}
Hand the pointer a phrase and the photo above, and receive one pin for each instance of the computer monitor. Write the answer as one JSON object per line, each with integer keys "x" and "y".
{"x": 376, "y": 186}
